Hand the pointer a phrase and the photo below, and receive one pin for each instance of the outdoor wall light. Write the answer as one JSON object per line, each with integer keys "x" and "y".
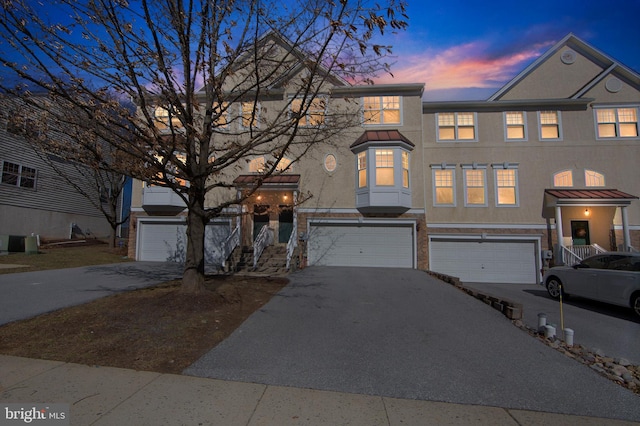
{"x": 587, "y": 212}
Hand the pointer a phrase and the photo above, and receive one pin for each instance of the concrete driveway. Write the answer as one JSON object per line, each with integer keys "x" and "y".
{"x": 27, "y": 294}
{"x": 599, "y": 326}
{"x": 401, "y": 333}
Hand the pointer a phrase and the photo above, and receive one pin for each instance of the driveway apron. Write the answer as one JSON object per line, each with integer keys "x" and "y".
{"x": 27, "y": 294}
{"x": 401, "y": 333}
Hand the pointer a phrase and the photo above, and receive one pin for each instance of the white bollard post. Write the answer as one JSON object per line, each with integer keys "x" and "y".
{"x": 542, "y": 321}
{"x": 568, "y": 336}
{"x": 549, "y": 331}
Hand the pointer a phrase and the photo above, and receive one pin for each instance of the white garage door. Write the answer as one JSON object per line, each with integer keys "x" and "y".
{"x": 167, "y": 241}
{"x": 364, "y": 245}
{"x": 494, "y": 262}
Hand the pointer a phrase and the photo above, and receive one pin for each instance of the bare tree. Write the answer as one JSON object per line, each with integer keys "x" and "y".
{"x": 187, "y": 64}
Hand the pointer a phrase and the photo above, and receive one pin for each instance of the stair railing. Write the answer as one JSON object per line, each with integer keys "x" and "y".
{"x": 232, "y": 241}
{"x": 264, "y": 239}
{"x": 293, "y": 241}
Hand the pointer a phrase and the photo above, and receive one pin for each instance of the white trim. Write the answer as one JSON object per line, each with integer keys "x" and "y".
{"x": 440, "y": 167}
{"x": 525, "y": 137}
{"x": 456, "y": 126}
{"x": 560, "y": 135}
{"x": 631, "y": 227}
{"x": 413, "y": 223}
{"x": 615, "y": 107}
{"x": 484, "y": 237}
{"x": 506, "y": 166}
{"x": 348, "y": 211}
{"x": 489, "y": 226}
{"x": 474, "y": 166}
{"x": 381, "y": 111}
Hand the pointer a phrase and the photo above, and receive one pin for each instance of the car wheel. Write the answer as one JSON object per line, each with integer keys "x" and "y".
{"x": 635, "y": 304}
{"x": 554, "y": 287}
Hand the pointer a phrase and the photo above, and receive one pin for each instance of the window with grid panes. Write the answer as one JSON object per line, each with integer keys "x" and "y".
{"x": 617, "y": 122}
{"x": 381, "y": 110}
{"x": 384, "y": 167}
{"x": 515, "y": 124}
{"x": 549, "y": 125}
{"x": 456, "y": 126}
{"x": 506, "y": 187}
{"x": 475, "y": 187}
{"x": 443, "y": 181}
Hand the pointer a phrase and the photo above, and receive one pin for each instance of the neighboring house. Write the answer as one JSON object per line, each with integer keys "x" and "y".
{"x": 33, "y": 198}
{"x": 557, "y": 145}
{"x": 473, "y": 189}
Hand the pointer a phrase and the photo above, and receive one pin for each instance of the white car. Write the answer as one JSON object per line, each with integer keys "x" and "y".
{"x": 608, "y": 277}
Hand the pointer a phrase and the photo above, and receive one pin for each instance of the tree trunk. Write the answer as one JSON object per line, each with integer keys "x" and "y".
{"x": 193, "y": 277}
{"x": 112, "y": 238}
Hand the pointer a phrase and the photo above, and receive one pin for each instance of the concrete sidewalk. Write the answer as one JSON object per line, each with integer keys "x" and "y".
{"x": 115, "y": 396}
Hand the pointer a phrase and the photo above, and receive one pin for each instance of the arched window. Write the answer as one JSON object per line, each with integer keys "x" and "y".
{"x": 593, "y": 178}
{"x": 563, "y": 179}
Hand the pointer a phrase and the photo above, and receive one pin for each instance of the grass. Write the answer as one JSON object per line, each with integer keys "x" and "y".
{"x": 59, "y": 257}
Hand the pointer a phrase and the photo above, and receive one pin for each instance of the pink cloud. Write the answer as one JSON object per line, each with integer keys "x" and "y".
{"x": 463, "y": 66}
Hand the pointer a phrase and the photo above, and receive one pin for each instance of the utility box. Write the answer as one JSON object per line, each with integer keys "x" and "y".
{"x": 31, "y": 245}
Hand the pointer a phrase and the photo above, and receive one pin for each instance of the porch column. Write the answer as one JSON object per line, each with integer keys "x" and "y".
{"x": 626, "y": 237}
{"x": 559, "y": 254}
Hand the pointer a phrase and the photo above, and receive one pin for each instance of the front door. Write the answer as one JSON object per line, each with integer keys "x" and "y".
{"x": 260, "y": 219}
{"x": 580, "y": 233}
{"x": 285, "y": 224}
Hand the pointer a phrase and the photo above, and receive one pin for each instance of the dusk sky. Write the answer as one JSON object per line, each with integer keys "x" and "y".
{"x": 468, "y": 49}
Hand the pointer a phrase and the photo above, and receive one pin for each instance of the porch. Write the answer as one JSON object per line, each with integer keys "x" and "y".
{"x": 266, "y": 222}
{"x": 585, "y": 222}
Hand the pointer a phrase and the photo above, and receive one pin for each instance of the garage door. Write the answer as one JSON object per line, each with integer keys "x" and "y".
{"x": 364, "y": 245}
{"x": 167, "y": 241}
{"x": 494, "y": 262}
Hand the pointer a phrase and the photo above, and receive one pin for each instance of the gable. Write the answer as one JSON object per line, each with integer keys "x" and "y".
{"x": 570, "y": 69}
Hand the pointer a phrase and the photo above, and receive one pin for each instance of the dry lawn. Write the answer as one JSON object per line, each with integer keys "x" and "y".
{"x": 154, "y": 329}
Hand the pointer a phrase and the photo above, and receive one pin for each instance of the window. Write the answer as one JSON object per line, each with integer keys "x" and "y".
{"x": 593, "y": 178}
{"x": 330, "y": 162}
{"x": 475, "y": 186}
{"x": 549, "y": 124}
{"x": 515, "y": 125}
{"x": 405, "y": 169}
{"x": 444, "y": 185}
{"x": 617, "y": 122}
{"x": 362, "y": 169}
{"x": 166, "y": 118}
{"x": 249, "y": 112}
{"x": 315, "y": 111}
{"x": 456, "y": 126}
{"x": 221, "y": 115}
{"x": 283, "y": 164}
{"x": 17, "y": 175}
{"x": 381, "y": 110}
{"x": 256, "y": 165}
{"x": 384, "y": 167}
{"x": 506, "y": 176}
{"x": 563, "y": 179}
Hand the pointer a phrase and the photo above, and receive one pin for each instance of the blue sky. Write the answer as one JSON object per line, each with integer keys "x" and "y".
{"x": 468, "y": 49}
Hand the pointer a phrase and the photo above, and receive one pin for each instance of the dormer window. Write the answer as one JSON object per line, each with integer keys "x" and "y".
{"x": 382, "y": 172}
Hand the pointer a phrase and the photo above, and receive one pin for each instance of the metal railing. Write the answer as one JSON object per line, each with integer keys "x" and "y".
{"x": 572, "y": 255}
{"x": 232, "y": 241}
{"x": 264, "y": 239}
{"x": 293, "y": 241}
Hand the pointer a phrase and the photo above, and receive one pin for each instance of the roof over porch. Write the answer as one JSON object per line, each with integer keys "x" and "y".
{"x": 555, "y": 197}
{"x": 273, "y": 182}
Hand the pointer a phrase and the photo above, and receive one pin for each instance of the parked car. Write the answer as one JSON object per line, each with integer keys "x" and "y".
{"x": 608, "y": 277}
